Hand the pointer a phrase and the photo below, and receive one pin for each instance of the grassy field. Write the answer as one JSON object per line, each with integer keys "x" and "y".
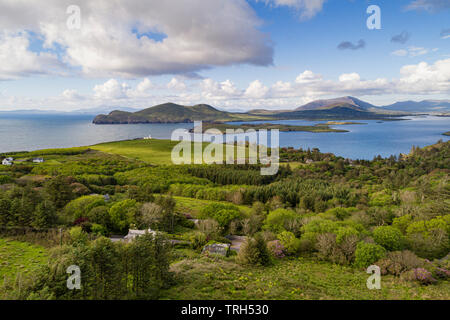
{"x": 19, "y": 257}
{"x": 297, "y": 279}
{"x": 152, "y": 151}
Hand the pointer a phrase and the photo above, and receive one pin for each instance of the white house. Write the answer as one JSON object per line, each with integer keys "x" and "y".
{"x": 132, "y": 234}
{"x": 38, "y": 160}
{"x": 7, "y": 161}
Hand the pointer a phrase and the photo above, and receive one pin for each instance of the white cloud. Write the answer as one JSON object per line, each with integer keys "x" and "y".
{"x": 416, "y": 79}
{"x": 176, "y": 84}
{"x": 413, "y": 51}
{"x": 71, "y": 94}
{"x": 256, "y": 90}
{"x": 145, "y": 85}
{"x": 425, "y": 78}
{"x": 308, "y": 77}
{"x": 400, "y": 53}
{"x": 219, "y": 90}
{"x": 117, "y": 38}
{"x": 111, "y": 89}
{"x": 417, "y": 51}
{"x": 349, "y": 77}
{"x": 17, "y": 60}
{"x": 306, "y": 8}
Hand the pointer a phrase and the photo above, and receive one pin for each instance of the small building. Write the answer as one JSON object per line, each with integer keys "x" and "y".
{"x": 8, "y": 162}
{"x": 38, "y": 160}
{"x": 132, "y": 234}
{"x": 309, "y": 161}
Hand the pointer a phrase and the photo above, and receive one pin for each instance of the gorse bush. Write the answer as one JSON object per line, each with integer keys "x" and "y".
{"x": 368, "y": 253}
{"x": 290, "y": 243}
{"x": 389, "y": 237}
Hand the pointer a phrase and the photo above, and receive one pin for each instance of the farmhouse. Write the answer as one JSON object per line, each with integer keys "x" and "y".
{"x": 38, "y": 160}
{"x": 7, "y": 161}
{"x": 132, "y": 234}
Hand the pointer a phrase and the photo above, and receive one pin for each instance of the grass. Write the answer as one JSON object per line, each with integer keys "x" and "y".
{"x": 214, "y": 278}
{"x": 193, "y": 206}
{"x": 19, "y": 257}
{"x": 153, "y": 151}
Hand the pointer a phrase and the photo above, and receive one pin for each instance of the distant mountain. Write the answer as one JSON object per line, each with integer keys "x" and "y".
{"x": 89, "y": 111}
{"x": 103, "y": 109}
{"x": 167, "y": 113}
{"x": 337, "y": 108}
{"x": 425, "y": 106}
{"x": 342, "y": 102}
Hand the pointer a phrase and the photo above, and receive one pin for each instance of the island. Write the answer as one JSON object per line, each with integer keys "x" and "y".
{"x": 222, "y": 127}
{"x": 340, "y": 109}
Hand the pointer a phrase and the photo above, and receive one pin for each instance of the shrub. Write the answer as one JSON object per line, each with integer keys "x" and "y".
{"x": 254, "y": 252}
{"x": 123, "y": 214}
{"x": 198, "y": 240}
{"x": 402, "y": 223}
{"x": 282, "y": 220}
{"x": 341, "y": 213}
{"x": 424, "y": 276}
{"x": 210, "y": 228}
{"x": 289, "y": 242}
{"x": 367, "y": 253}
{"x": 98, "y": 229}
{"x": 81, "y": 207}
{"x": 276, "y": 249}
{"x": 397, "y": 262}
{"x": 389, "y": 237}
{"x": 330, "y": 249}
{"x": 78, "y": 236}
{"x": 430, "y": 239}
{"x": 222, "y": 213}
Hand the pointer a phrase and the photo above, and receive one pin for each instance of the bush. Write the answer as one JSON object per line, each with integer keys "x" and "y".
{"x": 81, "y": 207}
{"x": 282, "y": 220}
{"x": 389, "y": 237}
{"x": 424, "y": 276}
{"x": 368, "y": 253}
{"x": 198, "y": 240}
{"x": 98, "y": 229}
{"x": 430, "y": 239}
{"x": 398, "y": 262}
{"x": 342, "y": 252}
{"x": 222, "y": 213}
{"x": 254, "y": 251}
{"x": 210, "y": 228}
{"x": 402, "y": 223}
{"x": 290, "y": 243}
{"x": 276, "y": 249}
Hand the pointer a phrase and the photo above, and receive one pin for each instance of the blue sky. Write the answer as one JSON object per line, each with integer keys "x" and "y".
{"x": 230, "y": 53}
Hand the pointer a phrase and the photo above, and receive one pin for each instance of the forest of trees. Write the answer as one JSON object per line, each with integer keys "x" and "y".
{"x": 392, "y": 211}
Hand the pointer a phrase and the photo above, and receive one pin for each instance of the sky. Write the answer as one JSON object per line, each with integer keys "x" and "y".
{"x": 233, "y": 54}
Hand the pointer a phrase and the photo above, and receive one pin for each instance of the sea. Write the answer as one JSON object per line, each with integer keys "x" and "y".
{"x": 26, "y": 132}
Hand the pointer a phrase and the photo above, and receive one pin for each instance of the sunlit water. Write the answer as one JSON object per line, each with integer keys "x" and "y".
{"x": 31, "y": 132}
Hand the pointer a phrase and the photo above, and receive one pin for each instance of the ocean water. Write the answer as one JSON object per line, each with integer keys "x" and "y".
{"x": 32, "y": 132}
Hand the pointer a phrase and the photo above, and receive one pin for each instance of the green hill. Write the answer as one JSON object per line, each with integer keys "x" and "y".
{"x": 333, "y": 109}
{"x": 170, "y": 113}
